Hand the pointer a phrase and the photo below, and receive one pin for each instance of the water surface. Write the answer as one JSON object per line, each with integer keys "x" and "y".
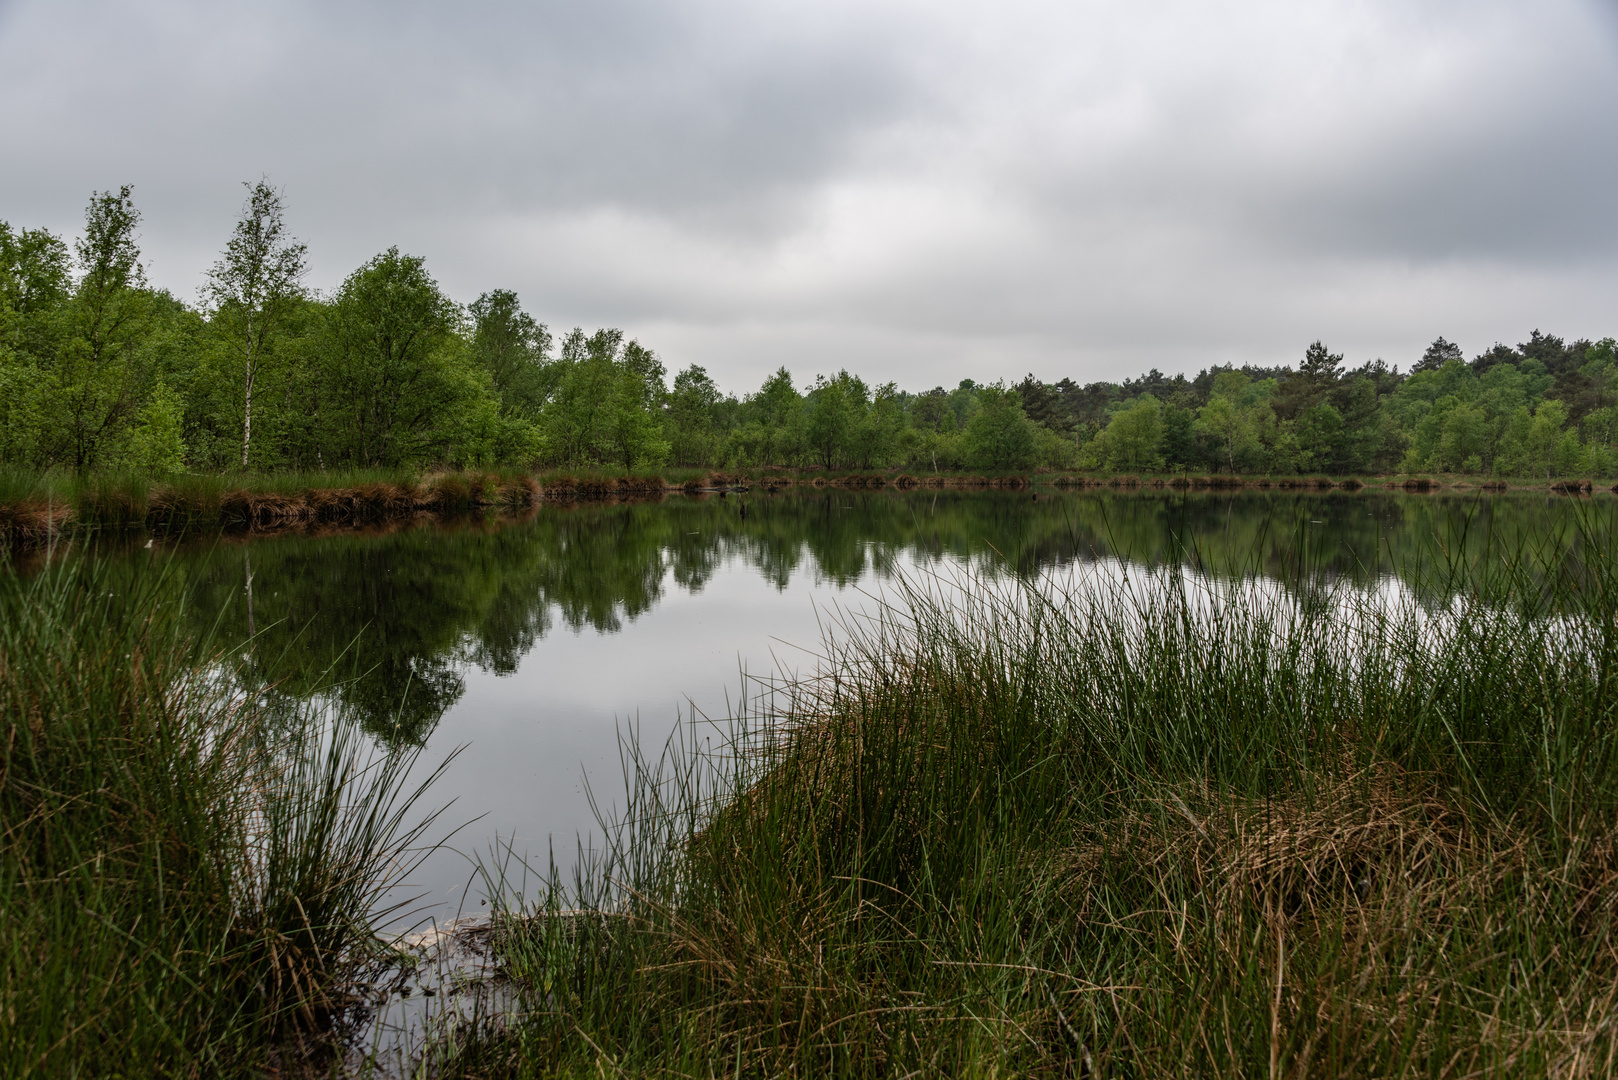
{"x": 533, "y": 644}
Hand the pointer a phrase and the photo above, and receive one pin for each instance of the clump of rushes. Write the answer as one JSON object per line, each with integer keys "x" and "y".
{"x": 114, "y": 501}
{"x": 1141, "y": 824}
{"x": 187, "y": 876}
{"x": 31, "y": 510}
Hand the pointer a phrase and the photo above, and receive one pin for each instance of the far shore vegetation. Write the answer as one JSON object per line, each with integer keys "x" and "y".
{"x": 258, "y": 375}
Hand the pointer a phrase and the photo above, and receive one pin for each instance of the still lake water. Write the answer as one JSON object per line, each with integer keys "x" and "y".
{"x": 532, "y": 645}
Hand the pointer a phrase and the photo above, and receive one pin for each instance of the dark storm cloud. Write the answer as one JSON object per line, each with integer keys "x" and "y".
{"x": 919, "y": 191}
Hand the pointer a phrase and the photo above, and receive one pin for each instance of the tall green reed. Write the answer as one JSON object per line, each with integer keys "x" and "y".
{"x": 187, "y": 875}
{"x": 1129, "y": 823}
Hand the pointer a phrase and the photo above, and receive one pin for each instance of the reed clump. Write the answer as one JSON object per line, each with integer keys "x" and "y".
{"x": 32, "y": 523}
{"x": 187, "y": 876}
{"x": 1130, "y": 823}
{"x": 642, "y": 485}
{"x": 520, "y": 492}
{"x": 598, "y": 486}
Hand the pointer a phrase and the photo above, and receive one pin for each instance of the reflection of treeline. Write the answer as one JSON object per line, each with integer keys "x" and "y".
{"x": 98, "y": 370}
{"x": 402, "y": 614}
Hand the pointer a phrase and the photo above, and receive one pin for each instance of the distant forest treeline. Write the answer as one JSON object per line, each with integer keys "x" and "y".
{"x": 99, "y": 371}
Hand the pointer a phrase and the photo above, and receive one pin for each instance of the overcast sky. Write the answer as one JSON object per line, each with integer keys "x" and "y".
{"x": 918, "y": 190}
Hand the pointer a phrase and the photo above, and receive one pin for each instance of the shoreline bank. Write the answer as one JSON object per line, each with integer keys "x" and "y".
{"x": 36, "y": 518}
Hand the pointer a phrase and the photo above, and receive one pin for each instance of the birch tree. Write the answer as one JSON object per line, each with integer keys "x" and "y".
{"x": 254, "y": 285}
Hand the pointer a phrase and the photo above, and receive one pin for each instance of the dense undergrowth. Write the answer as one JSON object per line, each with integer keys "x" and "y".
{"x": 186, "y": 873}
{"x": 1124, "y": 824}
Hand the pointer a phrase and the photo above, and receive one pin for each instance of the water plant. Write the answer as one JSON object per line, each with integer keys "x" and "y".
{"x": 1136, "y": 822}
{"x": 189, "y": 875}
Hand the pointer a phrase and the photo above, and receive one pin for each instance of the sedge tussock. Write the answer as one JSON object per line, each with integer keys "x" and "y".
{"x": 1137, "y": 824}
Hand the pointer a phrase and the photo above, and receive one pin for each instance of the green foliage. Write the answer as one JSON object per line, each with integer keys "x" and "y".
{"x": 1133, "y": 439}
{"x": 601, "y": 411}
{"x": 832, "y": 410}
{"x": 1000, "y": 435}
{"x": 187, "y": 876}
{"x": 93, "y": 379}
{"x": 155, "y": 443}
{"x": 254, "y": 287}
{"x": 397, "y": 381}
{"x": 771, "y": 431}
{"x": 514, "y": 349}
{"x": 1228, "y": 431}
{"x": 691, "y": 405}
{"x": 389, "y": 372}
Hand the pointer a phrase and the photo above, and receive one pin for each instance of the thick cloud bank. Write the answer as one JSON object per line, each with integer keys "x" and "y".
{"x": 918, "y": 191}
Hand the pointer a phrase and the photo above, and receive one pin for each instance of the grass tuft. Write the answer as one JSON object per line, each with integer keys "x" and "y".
{"x": 188, "y": 873}
{"x": 1126, "y": 824}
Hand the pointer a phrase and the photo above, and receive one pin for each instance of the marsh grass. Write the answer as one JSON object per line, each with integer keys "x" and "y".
{"x": 188, "y": 876}
{"x": 602, "y": 484}
{"x": 1128, "y": 823}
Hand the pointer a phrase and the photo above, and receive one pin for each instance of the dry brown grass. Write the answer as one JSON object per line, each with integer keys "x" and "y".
{"x": 642, "y": 485}
{"x": 1364, "y": 904}
{"x": 31, "y": 524}
{"x": 517, "y": 493}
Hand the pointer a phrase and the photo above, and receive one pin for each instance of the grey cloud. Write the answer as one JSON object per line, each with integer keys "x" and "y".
{"x": 922, "y": 192}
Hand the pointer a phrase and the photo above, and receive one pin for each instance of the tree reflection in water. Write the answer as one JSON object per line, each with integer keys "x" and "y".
{"x": 397, "y": 617}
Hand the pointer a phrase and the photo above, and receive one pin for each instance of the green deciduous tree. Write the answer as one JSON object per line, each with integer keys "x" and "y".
{"x": 778, "y": 412}
{"x": 156, "y": 444}
{"x": 999, "y": 435}
{"x": 875, "y": 438}
{"x": 691, "y": 405}
{"x": 94, "y": 379}
{"x": 254, "y": 287}
{"x": 1463, "y": 441}
{"x": 832, "y": 409}
{"x": 36, "y": 280}
{"x": 1226, "y": 429}
{"x": 515, "y": 350}
{"x": 397, "y": 380}
{"x": 635, "y": 437}
{"x": 1133, "y": 439}
{"x": 603, "y": 408}
{"x": 35, "y": 285}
